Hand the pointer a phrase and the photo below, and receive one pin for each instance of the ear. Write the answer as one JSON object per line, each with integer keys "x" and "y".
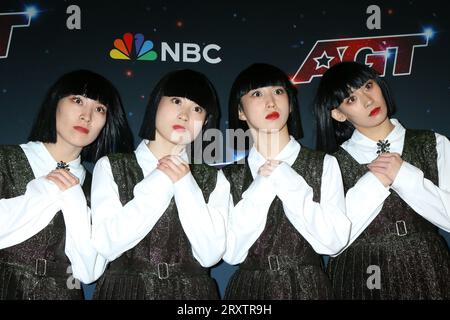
{"x": 338, "y": 115}
{"x": 242, "y": 114}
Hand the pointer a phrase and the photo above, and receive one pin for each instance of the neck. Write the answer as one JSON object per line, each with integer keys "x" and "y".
{"x": 270, "y": 144}
{"x": 379, "y": 132}
{"x": 161, "y": 147}
{"x": 61, "y": 152}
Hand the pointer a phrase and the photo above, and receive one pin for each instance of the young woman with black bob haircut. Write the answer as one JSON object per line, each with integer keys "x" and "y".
{"x": 81, "y": 119}
{"x": 157, "y": 218}
{"x": 289, "y": 201}
{"x": 397, "y": 184}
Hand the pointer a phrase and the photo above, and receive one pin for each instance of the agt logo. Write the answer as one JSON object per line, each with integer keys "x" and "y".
{"x": 326, "y": 53}
{"x": 9, "y": 21}
{"x": 144, "y": 50}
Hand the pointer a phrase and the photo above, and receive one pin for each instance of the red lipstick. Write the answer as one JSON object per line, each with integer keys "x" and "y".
{"x": 81, "y": 129}
{"x": 177, "y": 127}
{"x": 273, "y": 116}
{"x": 374, "y": 112}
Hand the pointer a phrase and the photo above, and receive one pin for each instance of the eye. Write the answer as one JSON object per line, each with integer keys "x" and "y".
{"x": 280, "y": 91}
{"x": 350, "y": 99}
{"x": 101, "y": 109}
{"x": 198, "y": 109}
{"x": 77, "y": 99}
{"x": 256, "y": 93}
{"x": 369, "y": 85}
{"x": 176, "y": 100}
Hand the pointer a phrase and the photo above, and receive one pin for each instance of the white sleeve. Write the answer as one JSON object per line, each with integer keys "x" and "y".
{"x": 24, "y": 216}
{"x": 247, "y": 219}
{"x": 117, "y": 228}
{"x": 87, "y": 264}
{"x": 323, "y": 224}
{"x": 430, "y": 201}
{"x": 364, "y": 202}
{"x": 204, "y": 224}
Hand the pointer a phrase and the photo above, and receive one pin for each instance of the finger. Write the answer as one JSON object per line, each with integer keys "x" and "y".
{"x": 389, "y": 156}
{"x": 69, "y": 176}
{"x": 379, "y": 171}
{"x": 56, "y": 181}
{"x": 57, "y": 177}
{"x": 181, "y": 164}
{"x": 275, "y": 162}
{"x": 184, "y": 163}
{"x": 379, "y": 162}
{"x": 63, "y": 176}
{"x": 175, "y": 159}
{"x": 168, "y": 163}
{"x": 378, "y": 167}
{"x": 173, "y": 166}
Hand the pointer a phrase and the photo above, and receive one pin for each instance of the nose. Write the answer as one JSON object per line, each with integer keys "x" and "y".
{"x": 182, "y": 115}
{"x": 270, "y": 102}
{"x": 367, "y": 100}
{"x": 86, "y": 116}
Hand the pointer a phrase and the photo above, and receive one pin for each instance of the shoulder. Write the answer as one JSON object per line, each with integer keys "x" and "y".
{"x": 120, "y": 157}
{"x": 311, "y": 154}
{"x": 10, "y": 151}
{"x": 232, "y": 169}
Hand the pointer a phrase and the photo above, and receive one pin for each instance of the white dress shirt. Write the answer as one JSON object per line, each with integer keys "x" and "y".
{"x": 117, "y": 228}
{"x": 324, "y": 225}
{"x": 24, "y": 216}
{"x": 430, "y": 201}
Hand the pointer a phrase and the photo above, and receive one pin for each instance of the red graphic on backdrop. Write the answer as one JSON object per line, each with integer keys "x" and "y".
{"x": 327, "y": 53}
{"x": 9, "y": 21}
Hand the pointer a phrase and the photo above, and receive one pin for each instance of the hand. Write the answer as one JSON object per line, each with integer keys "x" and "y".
{"x": 63, "y": 179}
{"x": 174, "y": 167}
{"x": 386, "y": 167}
{"x": 267, "y": 168}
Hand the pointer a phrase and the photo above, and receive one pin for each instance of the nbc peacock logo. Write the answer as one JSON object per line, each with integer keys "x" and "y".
{"x": 123, "y": 48}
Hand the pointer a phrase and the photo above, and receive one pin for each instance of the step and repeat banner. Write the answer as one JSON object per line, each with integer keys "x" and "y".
{"x": 134, "y": 43}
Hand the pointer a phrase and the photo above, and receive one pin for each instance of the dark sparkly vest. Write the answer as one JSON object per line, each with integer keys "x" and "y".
{"x": 43, "y": 254}
{"x": 167, "y": 242}
{"x": 280, "y": 239}
{"x": 396, "y": 216}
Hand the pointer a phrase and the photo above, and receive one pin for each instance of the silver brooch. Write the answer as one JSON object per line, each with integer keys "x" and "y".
{"x": 383, "y": 146}
{"x": 62, "y": 165}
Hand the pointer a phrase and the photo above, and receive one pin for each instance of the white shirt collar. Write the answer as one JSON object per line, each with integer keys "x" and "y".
{"x": 42, "y": 162}
{"x": 288, "y": 154}
{"x": 364, "y": 149}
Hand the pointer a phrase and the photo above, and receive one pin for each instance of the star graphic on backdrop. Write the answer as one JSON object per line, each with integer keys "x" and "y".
{"x": 323, "y": 61}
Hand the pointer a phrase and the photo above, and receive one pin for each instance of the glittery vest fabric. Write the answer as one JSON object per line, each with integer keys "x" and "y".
{"x": 161, "y": 266}
{"x": 281, "y": 264}
{"x": 37, "y": 268}
{"x": 400, "y": 255}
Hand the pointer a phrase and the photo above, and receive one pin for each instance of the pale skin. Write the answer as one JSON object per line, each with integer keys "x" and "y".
{"x": 74, "y": 111}
{"x": 270, "y": 136}
{"x": 357, "y": 109}
{"x": 170, "y": 142}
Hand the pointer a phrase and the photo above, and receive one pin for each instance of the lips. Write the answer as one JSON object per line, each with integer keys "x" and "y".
{"x": 177, "y": 127}
{"x": 374, "y": 112}
{"x": 81, "y": 129}
{"x": 273, "y": 116}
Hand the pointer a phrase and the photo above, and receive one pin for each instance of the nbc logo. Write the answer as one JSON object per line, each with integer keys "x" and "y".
{"x": 184, "y": 52}
{"x": 123, "y": 48}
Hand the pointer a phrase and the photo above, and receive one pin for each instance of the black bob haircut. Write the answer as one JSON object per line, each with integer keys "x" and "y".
{"x": 184, "y": 83}
{"x": 260, "y": 75}
{"x": 116, "y": 135}
{"x": 336, "y": 85}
